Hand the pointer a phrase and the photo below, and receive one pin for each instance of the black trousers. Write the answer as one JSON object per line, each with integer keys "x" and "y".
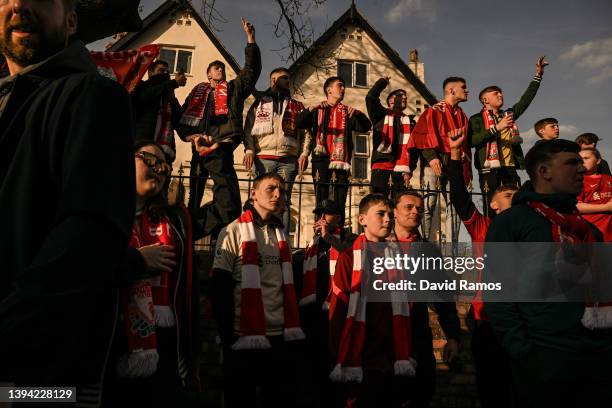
{"x": 226, "y": 203}
{"x": 549, "y": 377}
{"x": 340, "y": 186}
{"x": 380, "y": 182}
{"x": 277, "y": 373}
{"x": 494, "y": 179}
{"x": 496, "y": 388}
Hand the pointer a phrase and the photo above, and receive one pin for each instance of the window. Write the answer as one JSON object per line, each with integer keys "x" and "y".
{"x": 360, "y": 157}
{"x": 177, "y": 59}
{"x": 354, "y": 74}
{"x": 417, "y": 102}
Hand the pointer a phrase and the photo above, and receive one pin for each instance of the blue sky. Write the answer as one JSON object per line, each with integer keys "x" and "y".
{"x": 485, "y": 42}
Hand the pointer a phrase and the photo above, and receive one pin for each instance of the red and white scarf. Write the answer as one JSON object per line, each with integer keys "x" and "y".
{"x": 311, "y": 257}
{"x": 264, "y": 117}
{"x": 348, "y": 367}
{"x": 252, "y": 315}
{"x": 574, "y": 229}
{"x": 197, "y": 102}
{"x": 126, "y": 67}
{"x": 334, "y": 140}
{"x": 492, "y": 153}
{"x": 164, "y": 131}
{"x": 402, "y": 158}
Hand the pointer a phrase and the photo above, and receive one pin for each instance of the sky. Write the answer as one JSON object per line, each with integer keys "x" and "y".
{"x": 484, "y": 44}
{"x": 487, "y": 43}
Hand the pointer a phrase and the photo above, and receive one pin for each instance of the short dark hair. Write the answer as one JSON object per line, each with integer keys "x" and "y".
{"x": 587, "y": 138}
{"x": 215, "y": 63}
{"x": 490, "y": 88}
{"x": 451, "y": 80}
{"x": 371, "y": 199}
{"x": 266, "y": 176}
{"x": 412, "y": 193}
{"x": 540, "y": 124}
{"x": 395, "y": 92}
{"x": 279, "y": 69}
{"x": 144, "y": 143}
{"x": 544, "y": 150}
{"x": 594, "y": 150}
{"x": 69, "y": 5}
{"x": 156, "y": 63}
{"x": 329, "y": 82}
{"x": 505, "y": 187}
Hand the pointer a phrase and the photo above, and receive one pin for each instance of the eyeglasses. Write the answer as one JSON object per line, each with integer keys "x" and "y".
{"x": 154, "y": 163}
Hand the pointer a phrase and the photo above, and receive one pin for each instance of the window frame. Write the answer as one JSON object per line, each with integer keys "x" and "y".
{"x": 353, "y": 64}
{"x": 361, "y": 155}
{"x": 176, "y": 49}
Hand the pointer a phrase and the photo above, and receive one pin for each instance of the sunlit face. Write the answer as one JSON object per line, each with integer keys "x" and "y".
{"x": 269, "y": 196}
{"x": 502, "y": 200}
{"x": 590, "y": 161}
{"x": 408, "y": 212}
{"x": 31, "y": 31}
{"x": 563, "y": 173}
{"x": 400, "y": 100}
{"x": 550, "y": 131}
{"x": 216, "y": 73}
{"x": 458, "y": 89}
{"x": 493, "y": 99}
{"x": 336, "y": 90}
{"x": 149, "y": 183}
{"x": 377, "y": 222}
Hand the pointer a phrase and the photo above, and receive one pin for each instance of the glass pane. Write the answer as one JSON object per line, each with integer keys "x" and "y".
{"x": 361, "y": 74}
{"x": 169, "y": 56}
{"x": 183, "y": 63}
{"x": 360, "y": 167}
{"x": 361, "y": 144}
{"x": 345, "y": 71}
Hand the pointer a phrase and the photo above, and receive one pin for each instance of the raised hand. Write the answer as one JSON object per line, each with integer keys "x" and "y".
{"x": 249, "y": 30}
{"x": 540, "y": 65}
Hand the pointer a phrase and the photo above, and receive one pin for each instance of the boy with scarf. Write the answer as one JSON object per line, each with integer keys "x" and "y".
{"x": 156, "y": 109}
{"x": 556, "y": 361}
{"x": 430, "y": 136}
{"x": 495, "y": 136}
{"x": 332, "y": 125}
{"x": 391, "y": 133}
{"x": 212, "y": 121}
{"x": 254, "y": 302}
{"x": 493, "y": 372}
{"x": 271, "y": 138}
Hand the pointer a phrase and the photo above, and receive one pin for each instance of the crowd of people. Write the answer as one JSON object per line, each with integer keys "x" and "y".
{"x": 99, "y": 279}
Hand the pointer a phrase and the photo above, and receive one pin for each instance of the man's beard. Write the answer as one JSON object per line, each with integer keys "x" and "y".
{"x": 34, "y": 48}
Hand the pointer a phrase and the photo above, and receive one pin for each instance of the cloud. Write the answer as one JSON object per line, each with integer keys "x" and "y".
{"x": 568, "y": 132}
{"x": 403, "y": 8}
{"x": 594, "y": 58}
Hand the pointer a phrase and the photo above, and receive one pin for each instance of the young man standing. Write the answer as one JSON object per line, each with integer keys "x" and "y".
{"x": 254, "y": 302}
{"x": 391, "y": 134}
{"x": 556, "y": 360}
{"x": 58, "y": 290}
{"x": 212, "y": 121}
{"x": 493, "y": 370}
{"x": 589, "y": 140}
{"x": 332, "y": 125}
{"x": 430, "y": 135}
{"x": 547, "y": 128}
{"x": 595, "y": 200}
{"x": 156, "y": 109}
{"x": 495, "y": 137}
{"x": 272, "y": 141}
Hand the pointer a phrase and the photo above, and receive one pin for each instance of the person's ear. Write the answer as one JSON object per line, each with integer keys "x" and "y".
{"x": 71, "y": 22}
{"x": 544, "y": 172}
{"x": 362, "y": 220}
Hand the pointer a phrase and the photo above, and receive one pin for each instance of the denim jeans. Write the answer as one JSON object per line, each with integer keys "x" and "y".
{"x": 436, "y": 224}
{"x": 287, "y": 168}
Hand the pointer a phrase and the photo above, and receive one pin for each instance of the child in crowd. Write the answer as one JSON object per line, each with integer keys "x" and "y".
{"x": 547, "y": 128}
{"x": 594, "y": 201}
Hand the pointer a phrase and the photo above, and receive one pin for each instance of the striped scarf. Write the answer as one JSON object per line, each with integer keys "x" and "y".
{"x": 334, "y": 140}
{"x": 197, "y": 102}
{"x": 311, "y": 257}
{"x": 402, "y": 158}
{"x": 164, "y": 131}
{"x": 348, "y": 367}
{"x": 264, "y": 115}
{"x": 573, "y": 228}
{"x": 252, "y": 316}
{"x": 492, "y": 150}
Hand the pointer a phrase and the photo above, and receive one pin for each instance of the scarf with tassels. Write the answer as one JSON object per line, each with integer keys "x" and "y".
{"x": 492, "y": 157}
{"x": 252, "y": 316}
{"x": 402, "y": 157}
{"x": 334, "y": 140}
{"x": 573, "y": 228}
{"x": 197, "y": 102}
{"x": 264, "y": 117}
{"x": 164, "y": 131}
{"x": 352, "y": 340}
{"x": 311, "y": 257}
